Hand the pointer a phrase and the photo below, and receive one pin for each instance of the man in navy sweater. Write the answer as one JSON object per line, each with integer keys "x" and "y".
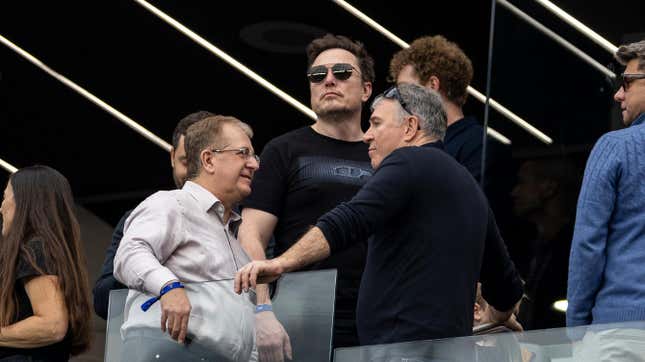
{"x": 441, "y": 65}
{"x": 606, "y": 267}
{"x": 432, "y": 232}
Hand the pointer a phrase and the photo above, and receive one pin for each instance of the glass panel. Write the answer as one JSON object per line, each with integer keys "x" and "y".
{"x": 587, "y": 343}
{"x": 303, "y": 302}
{"x": 533, "y": 186}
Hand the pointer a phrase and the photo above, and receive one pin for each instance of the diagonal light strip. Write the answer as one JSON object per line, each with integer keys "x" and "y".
{"x": 227, "y": 58}
{"x": 498, "y": 136}
{"x": 92, "y": 98}
{"x": 558, "y": 39}
{"x": 606, "y": 44}
{"x": 472, "y": 91}
{"x": 7, "y": 166}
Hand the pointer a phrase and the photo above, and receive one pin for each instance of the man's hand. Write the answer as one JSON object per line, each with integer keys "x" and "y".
{"x": 257, "y": 272}
{"x": 175, "y": 310}
{"x": 513, "y": 324}
{"x": 272, "y": 340}
{"x": 506, "y": 318}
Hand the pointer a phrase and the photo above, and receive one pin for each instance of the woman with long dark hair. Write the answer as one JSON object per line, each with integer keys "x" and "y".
{"x": 44, "y": 300}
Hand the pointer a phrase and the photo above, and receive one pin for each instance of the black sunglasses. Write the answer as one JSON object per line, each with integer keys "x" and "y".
{"x": 393, "y": 93}
{"x": 627, "y": 78}
{"x": 340, "y": 71}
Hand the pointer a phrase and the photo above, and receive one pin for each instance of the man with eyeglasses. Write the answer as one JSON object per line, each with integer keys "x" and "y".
{"x": 606, "y": 273}
{"x": 187, "y": 235}
{"x": 432, "y": 234}
{"x": 106, "y": 280}
{"x": 307, "y": 172}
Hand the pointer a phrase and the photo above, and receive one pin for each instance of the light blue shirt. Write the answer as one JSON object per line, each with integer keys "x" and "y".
{"x": 607, "y": 263}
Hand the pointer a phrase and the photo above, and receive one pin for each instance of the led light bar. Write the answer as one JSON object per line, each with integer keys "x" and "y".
{"x": 472, "y": 91}
{"x": 89, "y": 96}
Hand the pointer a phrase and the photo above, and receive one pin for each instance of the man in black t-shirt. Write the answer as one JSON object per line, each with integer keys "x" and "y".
{"x": 306, "y": 173}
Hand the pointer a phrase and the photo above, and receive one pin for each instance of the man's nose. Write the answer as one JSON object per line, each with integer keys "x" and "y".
{"x": 368, "y": 138}
{"x": 329, "y": 78}
{"x": 253, "y": 163}
{"x": 619, "y": 95}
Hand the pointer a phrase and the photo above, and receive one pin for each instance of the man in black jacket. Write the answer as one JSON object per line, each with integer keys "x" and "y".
{"x": 106, "y": 280}
{"x": 433, "y": 235}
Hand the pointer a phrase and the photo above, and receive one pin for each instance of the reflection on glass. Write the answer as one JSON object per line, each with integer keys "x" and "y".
{"x": 303, "y": 302}
{"x": 600, "y": 342}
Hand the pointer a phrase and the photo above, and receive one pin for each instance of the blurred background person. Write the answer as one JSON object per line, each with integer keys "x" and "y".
{"x": 545, "y": 196}
{"x": 44, "y": 297}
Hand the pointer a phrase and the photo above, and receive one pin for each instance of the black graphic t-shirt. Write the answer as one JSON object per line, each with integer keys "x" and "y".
{"x": 304, "y": 174}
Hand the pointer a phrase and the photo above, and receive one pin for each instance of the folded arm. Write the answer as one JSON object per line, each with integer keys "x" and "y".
{"x": 48, "y": 324}
{"x": 152, "y": 233}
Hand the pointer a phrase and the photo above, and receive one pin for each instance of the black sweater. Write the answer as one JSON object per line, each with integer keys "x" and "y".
{"x": 431, "y": 233}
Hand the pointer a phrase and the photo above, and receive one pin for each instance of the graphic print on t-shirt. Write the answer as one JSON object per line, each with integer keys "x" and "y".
{"x": 320, "y": 170}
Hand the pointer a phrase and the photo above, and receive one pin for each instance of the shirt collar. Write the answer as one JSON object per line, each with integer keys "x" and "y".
{"x": 639, "y": 120}
{"x": 436, "y": 144}
{"x": 207, "y": 201}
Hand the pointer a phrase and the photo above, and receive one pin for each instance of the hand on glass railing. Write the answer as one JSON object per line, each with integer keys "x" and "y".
{"x": 257, "y": 272}
{"x": 272, "y": 340}
{"x": 175, "y": 310}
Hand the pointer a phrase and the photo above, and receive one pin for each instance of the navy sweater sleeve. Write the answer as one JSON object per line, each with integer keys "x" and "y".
{"x": 385, "y": 194}
{"x": 106, "y": 280}
{"x": 501, "y": 283}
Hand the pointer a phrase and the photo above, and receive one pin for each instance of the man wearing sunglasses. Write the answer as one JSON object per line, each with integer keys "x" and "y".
{"x": 433, "y": 235}
{"x": 606, "y": 273}
{"x": 307, "y": 172}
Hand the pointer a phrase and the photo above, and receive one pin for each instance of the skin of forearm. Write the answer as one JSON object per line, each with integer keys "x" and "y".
{"x": 254, "y": 247}
{"x": 32, "y": 332}
{"x": 312, "y": 247}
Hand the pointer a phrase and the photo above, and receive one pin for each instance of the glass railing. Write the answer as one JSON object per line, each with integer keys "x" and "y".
{"x": 303, "y": 302}
{"x": 599, "y": 342}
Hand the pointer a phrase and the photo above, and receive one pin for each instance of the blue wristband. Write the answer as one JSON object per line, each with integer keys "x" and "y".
{"x": 263, "y": 308}
{"x": 148, "y": 303}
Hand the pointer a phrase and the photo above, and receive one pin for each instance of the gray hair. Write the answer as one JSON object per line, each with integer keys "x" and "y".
{"x": 632, "y": 51}
{"x": 424, "y": 103}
